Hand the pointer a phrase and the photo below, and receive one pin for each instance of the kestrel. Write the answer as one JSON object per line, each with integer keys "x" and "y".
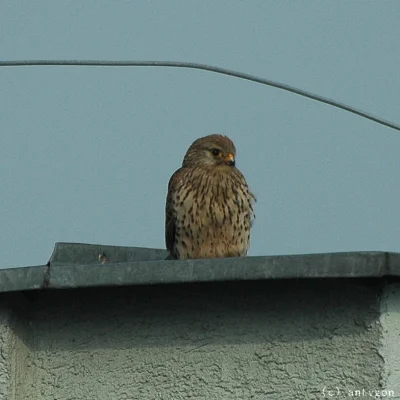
{"x": 209, "y": 208}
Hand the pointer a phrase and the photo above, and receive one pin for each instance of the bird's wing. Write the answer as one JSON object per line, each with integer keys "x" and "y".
{"x": 170, "y": 212}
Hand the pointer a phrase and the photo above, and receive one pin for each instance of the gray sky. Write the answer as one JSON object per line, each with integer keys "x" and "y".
{"x": 86, "y": 153}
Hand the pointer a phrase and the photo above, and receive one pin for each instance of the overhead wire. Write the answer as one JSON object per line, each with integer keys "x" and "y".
{"x": 204, "y": 67}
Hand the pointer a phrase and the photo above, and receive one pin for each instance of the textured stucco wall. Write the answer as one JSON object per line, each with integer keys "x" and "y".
{"x": 390, "y": 349}
{"x": 254, "y": 340}
{"x": 14, "y": 348}
{"x": 5, "y": 352}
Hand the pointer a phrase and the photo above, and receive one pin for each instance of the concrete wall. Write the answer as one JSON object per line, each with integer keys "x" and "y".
{"x": 304, "y": 339}
{"x": 390, "y": 348}
{"x": 6, "y": 336}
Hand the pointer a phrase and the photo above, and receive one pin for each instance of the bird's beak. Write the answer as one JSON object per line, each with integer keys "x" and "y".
{"x": 230, "y": 160}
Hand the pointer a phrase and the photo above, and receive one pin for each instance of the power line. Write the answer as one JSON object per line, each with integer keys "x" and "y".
{"x": 204, "y": 67}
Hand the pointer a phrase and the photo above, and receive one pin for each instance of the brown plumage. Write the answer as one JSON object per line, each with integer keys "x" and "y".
{"x": 209, "y": 206}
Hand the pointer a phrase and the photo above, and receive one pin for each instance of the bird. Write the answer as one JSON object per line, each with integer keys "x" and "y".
{"x": 209, "y": 207}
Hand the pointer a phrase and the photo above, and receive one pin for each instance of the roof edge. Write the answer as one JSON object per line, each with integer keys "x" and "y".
{"x": 69, "y": 273}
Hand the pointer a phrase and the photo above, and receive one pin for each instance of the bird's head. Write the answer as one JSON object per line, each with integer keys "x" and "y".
{"x": 210, "y": 151}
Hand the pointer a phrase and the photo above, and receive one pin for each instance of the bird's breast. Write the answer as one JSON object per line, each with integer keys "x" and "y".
{"x": 212, "y": 216}
{"x": 212, "y": 201}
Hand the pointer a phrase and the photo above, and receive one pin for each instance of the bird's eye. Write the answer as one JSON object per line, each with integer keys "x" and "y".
{"x": 215, "y": 152}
